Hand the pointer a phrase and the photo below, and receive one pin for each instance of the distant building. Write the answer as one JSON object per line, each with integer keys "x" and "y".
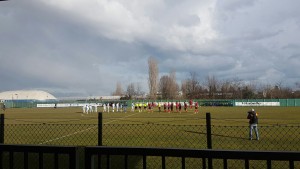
{"x": 89, "y": 98}
{"x": 26, "y": 95}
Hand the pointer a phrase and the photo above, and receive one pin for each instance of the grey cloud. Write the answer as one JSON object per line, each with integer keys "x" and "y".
{"x": 255, "y": 34}
{"x": 291, "y": 46}
{"x": 60, "y": 47}
{"x": 189, "y": 20}
{"x": 233, "y": 5}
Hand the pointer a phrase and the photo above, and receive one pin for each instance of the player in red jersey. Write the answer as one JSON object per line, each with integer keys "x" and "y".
{"x": 196, "y": 107}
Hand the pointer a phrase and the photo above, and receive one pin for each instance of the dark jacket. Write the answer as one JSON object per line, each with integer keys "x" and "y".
{"x": 252, "y": 117}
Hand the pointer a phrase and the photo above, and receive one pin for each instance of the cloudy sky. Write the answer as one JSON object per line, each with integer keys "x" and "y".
{"x": 84, "y": 47}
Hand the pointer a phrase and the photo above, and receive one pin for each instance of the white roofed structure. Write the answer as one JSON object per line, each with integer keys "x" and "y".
{"x": 26, "y": 95}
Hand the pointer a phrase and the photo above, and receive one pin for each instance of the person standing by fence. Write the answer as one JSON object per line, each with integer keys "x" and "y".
{"x": 253, "y": 122}
{"x": 196, "y": 107}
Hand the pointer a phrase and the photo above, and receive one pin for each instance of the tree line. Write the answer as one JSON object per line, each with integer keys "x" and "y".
{"x": 167, "y": 87}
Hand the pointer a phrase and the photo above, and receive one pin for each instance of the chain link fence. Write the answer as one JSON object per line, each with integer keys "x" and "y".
{"x": 272, "y": 138}
{"x": 278, "y": 138}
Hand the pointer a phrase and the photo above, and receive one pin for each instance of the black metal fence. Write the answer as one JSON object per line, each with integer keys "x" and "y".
{"x": 62, "y": 157}
{"x": 124, "y": 157}
{"x": 33, "y": 156}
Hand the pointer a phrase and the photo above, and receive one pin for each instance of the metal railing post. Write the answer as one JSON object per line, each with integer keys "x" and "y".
{"x": 100, "y": 122}
{"x": 208, "y": 137}
{"x": 208, "y": 131}
{"x": 1, "y": 137}
{"x": 1, "y": 128}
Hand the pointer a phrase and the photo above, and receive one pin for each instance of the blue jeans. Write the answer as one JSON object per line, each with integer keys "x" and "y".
{"x": 251, "y": 127}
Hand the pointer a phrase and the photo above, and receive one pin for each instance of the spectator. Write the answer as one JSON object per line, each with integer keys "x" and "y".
{"x": 253, "y": 122}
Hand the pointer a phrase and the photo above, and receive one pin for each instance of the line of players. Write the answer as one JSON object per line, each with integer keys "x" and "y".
{"x": 148, "y": 106}
{"x": 169, "y": 107}
{"x": 115, "y": 107}
{"x": 86, "y": 109}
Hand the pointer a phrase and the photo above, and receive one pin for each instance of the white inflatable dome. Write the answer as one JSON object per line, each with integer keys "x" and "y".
{"x": 26, "y": 95}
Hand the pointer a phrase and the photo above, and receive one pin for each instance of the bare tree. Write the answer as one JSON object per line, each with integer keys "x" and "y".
{"x": 193, "y": 87}
{"x": 153, "y": 77}
{"x": 281, "y": 91}
{"x": 168, "y": 86}
{"x": 212, "y": 85}
{"x": 225, "y": 89}
{"x": 119, "y": 90}
{"x": 131, "y": 90}
{"x": 173, "y": 87}
{"x": 184, "y": 89}
{"x": 287, "y": 92}
{"x": 236, "y": 88}
{"x": 296, "y": 92}
{"x": 163, "y": 86}
{"x": 139, "y": 91}
{"x": 267, "y": 91}
{"x": 248, "y": 91}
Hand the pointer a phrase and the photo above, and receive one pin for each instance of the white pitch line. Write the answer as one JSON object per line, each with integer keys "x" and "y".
{"x": 58, "y": 138}
{"x": 122, "y": 118}
{"x": 81, "y": 131}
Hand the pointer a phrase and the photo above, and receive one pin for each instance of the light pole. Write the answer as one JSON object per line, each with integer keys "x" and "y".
{"x": 17, "y": 97}
{"x": 12, "y": 100}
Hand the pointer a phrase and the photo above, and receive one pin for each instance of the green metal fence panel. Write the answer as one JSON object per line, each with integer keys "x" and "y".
{"x": 202, "y": 102}
{"x": 267, "y": 102}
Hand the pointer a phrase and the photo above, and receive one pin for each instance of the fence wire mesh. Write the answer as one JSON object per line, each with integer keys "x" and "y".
{"x": 228, "y": 137}
{"x": 275, "y": 137}
{"x": 52, "y": 134}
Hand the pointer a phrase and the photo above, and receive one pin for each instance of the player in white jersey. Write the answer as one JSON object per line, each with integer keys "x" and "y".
{"x": 91, "y": 108}
{"x": 95, "y": 108}
{"x": 113, "y": 107}
{"x": 117, "y": 106}
{"x": 83, "y": 109}
{"x": 132, "y": 107}
{"x": 87, "y": 109}
{"x": 104, "y": 107}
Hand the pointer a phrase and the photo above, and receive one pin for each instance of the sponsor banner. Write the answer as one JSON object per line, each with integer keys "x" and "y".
{"x": 257, "y": 103}
{"x": 45, "y": 105}
{"x": 68, "y": 105}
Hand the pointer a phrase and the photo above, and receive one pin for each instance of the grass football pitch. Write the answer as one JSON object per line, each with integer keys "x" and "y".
{"x": 279, "y": 128}
{"x": 220, "y": 116}
{"x": 69, "y": 126}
